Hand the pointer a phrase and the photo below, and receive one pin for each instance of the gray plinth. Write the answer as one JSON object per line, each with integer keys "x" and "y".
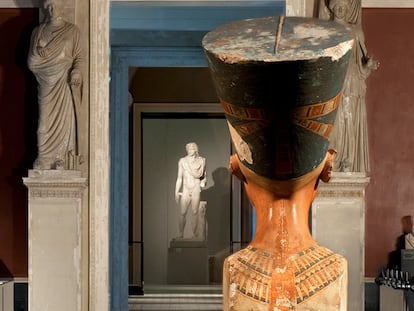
{"x": 338, "y": 223}
{"x": 187, "y": 262}
{"x": 55, "y": 240}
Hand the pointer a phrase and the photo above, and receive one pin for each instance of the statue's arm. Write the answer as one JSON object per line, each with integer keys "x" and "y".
{"x": 366, "y": 61}
{"x": 179, "y": 181}
{"x": 204, "y": 177}
{"x": 32, "y": 46}
{"x": 78, "y": 59}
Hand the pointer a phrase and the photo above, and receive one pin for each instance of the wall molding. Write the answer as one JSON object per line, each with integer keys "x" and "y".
{"x": 20, "y": 4}
{"x": 301, "y": 3}
{"x": 388, "y": 3}
{"x": 365, "y": 3}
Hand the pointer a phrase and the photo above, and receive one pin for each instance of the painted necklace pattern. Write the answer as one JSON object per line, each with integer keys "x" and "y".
{"x": 310, "y": 271}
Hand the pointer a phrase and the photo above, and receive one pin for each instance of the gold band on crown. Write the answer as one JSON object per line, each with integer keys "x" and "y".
{"x": 258, "y": 118}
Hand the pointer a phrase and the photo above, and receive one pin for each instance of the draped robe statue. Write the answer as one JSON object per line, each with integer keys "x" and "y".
{"x": 55, "y": 58}
{"x": 350, "y": 135}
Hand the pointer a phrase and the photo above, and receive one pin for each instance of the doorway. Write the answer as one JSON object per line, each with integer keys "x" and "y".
{"x": 172, "y": 107}
{"x": 155, "y": 35}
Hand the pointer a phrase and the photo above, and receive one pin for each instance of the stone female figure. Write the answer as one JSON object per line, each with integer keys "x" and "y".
{"x": 350, "y": 135}
{"x": 55, "y": 58}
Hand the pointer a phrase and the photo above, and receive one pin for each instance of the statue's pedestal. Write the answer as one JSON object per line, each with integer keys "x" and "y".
{"x": 187, "y": 262}
{"x": 338, "y": 223}
{"x": 55, "y": 235}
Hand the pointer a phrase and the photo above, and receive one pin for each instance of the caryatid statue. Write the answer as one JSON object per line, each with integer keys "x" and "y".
{"x": 350, "y": 135}
{"x": 279, "y": 81}
{"x": 56, "y": 60}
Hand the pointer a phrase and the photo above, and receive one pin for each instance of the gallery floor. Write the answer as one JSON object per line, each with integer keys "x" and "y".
{"x": 205, "y": 298}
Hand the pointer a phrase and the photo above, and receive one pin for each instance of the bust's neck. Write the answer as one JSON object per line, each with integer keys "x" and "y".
{"x": 282, "y": 222}
{"x": 55, "y": 21}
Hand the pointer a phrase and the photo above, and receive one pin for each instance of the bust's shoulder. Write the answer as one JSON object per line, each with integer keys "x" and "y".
{"x": 71, "y": 27}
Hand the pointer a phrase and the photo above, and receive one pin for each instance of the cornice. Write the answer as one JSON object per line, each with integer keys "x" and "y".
{"x": 55, "y": 184}
{"x": 365, "y": 3}
{"x": 388, "y": 3}
{"x": 58, "y": 193}
{"x": 349, "y": 185}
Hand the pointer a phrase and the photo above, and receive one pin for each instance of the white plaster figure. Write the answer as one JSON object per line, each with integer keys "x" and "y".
{"x": 191, "y": 178}
{"x": 55, "y": 58}
{"x": 350, "y": 135}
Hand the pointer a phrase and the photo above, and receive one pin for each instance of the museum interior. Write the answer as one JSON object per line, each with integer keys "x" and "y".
{"x": 118, "y": 230}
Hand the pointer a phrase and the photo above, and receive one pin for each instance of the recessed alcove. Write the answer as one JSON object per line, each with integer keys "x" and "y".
{"x": 158, "y": 65}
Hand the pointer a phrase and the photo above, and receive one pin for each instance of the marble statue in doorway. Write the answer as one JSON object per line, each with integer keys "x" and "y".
{"x": 56, "y": 59}
{"x": 350, "y": 135}
{"x": 191, "y": 178}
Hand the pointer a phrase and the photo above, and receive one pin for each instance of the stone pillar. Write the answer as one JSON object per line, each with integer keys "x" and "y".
{"x": 338, "y": 223}
{"x": 55, "y": 240}
{"x": 303, "y": 8}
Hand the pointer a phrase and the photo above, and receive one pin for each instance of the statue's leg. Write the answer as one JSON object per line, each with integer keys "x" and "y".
{"x": 195, "y": 204}
{"x": 184, "y": 202}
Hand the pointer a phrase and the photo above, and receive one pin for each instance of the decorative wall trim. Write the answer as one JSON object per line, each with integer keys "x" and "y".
{"x": 388, "y": 3}
{"x": 55, "y": 193}
{"x": 200, "y": 2}
{"x": 365, "y": 3}
{"x": 301, "y": 3}
{"x": 333, "y": 193}
{"x": 20, "y": 4}
{"x": 345, "y": 185}
{"x": 55, "y": 184}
